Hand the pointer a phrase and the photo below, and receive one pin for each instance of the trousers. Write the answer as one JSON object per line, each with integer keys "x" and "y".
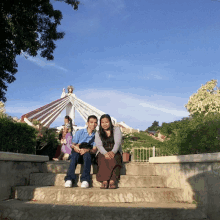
{"x": 76, "y": 158}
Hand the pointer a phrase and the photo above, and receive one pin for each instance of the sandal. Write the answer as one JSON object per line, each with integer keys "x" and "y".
{"x": 112, "y": 185}
{"x": 104, "y": 185}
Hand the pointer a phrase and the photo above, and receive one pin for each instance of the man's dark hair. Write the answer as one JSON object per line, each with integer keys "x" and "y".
{"x": 92, "y": 116}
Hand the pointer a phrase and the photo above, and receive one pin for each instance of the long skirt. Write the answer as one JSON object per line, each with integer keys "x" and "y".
{"x": 66, "y": 148}
{"x": 109, "y": 169}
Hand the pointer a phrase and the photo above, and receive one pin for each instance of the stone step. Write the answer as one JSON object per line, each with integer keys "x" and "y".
{"x": 20, "y": 210}
{"x": 127, "y": 168}
{"x": 77, "y": 194}
{"x": 54, "y": 179}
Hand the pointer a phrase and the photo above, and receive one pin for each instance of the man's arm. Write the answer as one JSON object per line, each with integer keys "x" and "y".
{"x": 75, "y": 142}
{"x": 75, "y": 147}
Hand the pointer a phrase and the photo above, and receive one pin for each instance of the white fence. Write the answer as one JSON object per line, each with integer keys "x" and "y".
{"x": 142, "y": 154}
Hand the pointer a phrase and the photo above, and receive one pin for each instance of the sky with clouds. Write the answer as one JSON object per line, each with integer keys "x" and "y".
{"x": 138, "y": 61}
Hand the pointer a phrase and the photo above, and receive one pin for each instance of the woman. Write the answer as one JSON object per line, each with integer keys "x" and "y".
{"x": 108, "y": 141}
{"x": 66, "y": 140}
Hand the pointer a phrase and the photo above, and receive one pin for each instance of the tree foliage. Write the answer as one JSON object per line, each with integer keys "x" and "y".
{"x": 206, "y": 100}
{"x": 16, "y": 137}
{"x": 26, "y": 27}
{"x": 192, "y": 136}
{"x": 154, "y": 126}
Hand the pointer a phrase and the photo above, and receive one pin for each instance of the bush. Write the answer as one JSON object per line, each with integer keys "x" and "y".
{"x": 197, "y": 135}
{"x": 16, "y": 137}
{"x": 48, "y": 142}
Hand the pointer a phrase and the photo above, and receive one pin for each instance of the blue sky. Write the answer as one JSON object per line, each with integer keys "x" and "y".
{"x": 138, "y": 61}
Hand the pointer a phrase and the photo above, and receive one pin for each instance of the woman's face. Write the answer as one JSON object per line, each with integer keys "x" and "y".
{"x": 66, "y": 121}
{"x": 70, "y": 90}
{"x": 105, "y": 123}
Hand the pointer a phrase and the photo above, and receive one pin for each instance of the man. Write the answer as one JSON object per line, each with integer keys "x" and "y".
{"x": 84, "y": 135}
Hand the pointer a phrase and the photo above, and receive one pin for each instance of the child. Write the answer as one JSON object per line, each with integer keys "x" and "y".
{"x": 66, "y": 139}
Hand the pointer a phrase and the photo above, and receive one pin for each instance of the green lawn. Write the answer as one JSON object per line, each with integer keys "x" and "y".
{"x": 145, "y": 141}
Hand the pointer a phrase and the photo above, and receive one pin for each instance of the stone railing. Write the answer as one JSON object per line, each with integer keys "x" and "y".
{"x": 197, "y": 174}
{"x": 15, "y": 170}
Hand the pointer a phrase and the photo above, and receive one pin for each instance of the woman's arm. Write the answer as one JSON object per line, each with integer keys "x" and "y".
{"x": 117, "y": 139}
{"x": 99, "y": 145}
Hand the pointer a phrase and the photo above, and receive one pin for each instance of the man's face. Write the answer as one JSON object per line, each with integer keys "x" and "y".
{"x": 92, "y": 123}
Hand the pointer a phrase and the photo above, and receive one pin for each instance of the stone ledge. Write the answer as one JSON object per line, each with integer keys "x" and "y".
{"x": 22, "y": 157}
{"x": 191, "y": 158}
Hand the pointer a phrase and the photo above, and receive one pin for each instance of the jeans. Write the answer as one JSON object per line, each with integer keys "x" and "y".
{"x": 74, "y": 160}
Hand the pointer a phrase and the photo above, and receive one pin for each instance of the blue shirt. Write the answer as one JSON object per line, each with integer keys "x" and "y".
{"x": 83, "y": 136}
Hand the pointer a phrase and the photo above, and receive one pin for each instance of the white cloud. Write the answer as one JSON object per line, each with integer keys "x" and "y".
{"x": 137, "y": 112}
{"x": 41, "y": 62}
{"x": 165, "y": 110}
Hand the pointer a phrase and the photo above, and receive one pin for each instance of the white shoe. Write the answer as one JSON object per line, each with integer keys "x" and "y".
{"x": 68, "y": 184}
{"x": 85, "y": 184}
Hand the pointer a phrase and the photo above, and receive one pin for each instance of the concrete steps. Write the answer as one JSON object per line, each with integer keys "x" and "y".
{"x": 77, "y": 194}
{"x": 19, "y": 210}
{"x": 141, "y": 195}
{"x": 140, "y": 169}
{"x": 54, "y": 179}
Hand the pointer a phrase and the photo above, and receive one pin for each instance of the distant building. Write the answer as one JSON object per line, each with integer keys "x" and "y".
{"x": 125, "y": 128}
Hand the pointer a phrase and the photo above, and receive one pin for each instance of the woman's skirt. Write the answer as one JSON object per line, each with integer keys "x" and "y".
{"x": 66, "y": 148}
{"x": 108, "y": 169}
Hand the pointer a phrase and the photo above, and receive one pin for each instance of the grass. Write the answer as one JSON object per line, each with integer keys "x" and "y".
{"x": 145, "y": 141}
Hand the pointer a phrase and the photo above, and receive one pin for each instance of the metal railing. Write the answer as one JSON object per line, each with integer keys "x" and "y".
{"x": 142, "y": 154}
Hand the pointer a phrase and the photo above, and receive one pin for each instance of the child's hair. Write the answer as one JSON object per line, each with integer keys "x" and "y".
{"x": 70, "y": 121}
{"x": 92, "y": 116}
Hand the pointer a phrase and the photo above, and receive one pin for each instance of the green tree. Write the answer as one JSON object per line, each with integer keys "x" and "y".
{"x": 27, "y": 27}
{"x": 154, "y": 126}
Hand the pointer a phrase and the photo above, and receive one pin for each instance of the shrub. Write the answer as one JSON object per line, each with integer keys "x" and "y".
{"x": 198, "y": 135}
{"x": 48, "y": 142}
{"x": 126, "y": 143}
{"x": 16, "y": 137}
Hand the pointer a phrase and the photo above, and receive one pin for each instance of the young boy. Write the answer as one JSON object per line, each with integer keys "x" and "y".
{"x": 84, "y": 135}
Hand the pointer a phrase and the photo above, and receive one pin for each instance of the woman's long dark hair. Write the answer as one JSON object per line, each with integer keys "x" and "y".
{"x": 102, "y": 133}
{"x": 70, "y": 121}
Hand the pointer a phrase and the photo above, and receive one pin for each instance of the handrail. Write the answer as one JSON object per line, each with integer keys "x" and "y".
{"x": 142, "y": 154}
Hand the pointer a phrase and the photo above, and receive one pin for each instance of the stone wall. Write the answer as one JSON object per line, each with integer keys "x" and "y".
{"x": 15, "y": 170}
{"x": 198, "y": 175}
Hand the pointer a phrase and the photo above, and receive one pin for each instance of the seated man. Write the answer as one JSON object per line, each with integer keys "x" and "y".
{"x": 84, "y": 135}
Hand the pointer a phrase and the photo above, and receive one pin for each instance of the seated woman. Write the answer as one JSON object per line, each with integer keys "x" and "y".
{"x": 66, "y": 140}
{"x": 108, "y": 141}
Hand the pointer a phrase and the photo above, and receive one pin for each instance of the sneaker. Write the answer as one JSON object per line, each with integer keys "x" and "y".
{"x": 85, "y": 184}
{"x": 68, "y": 184}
